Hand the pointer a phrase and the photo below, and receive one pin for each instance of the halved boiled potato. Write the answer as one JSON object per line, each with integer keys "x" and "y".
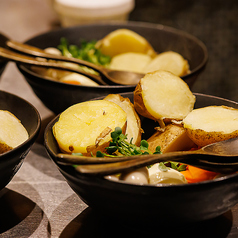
{"x": 133, "y": 129}
{"x": 211, "y": 124}
{"x": 122, "y": 41}
{"x": 169, "y": 61}
{"x": 87, "y": 126}
{"x": 174, "y": 138}
{"x": 12, "y": 132}
{"x": 131, "y": 61}
{"x": 161, "y": 95}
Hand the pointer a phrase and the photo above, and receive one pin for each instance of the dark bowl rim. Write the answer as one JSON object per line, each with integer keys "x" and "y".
{"x": 4, "y": 35}
{"x": 31, "y": 137}
{"x": 129, "y": 23}
{"x": 4, "y": 62}
{"x": 98, "y": 180}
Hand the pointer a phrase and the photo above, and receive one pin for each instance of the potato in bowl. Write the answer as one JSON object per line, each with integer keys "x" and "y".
{"x": 99, "y": 128}
{"x": 57, "y": 96}
{"x": 131, "y": 203}
{"x": 18, "y": 135}
{"x": 79, "y": 128}
{"x": 12, "y": 132}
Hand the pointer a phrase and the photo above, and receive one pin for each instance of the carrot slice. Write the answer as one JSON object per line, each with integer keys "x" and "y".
{"x": 194, "y": 174}
{"x": 72, "y": 82}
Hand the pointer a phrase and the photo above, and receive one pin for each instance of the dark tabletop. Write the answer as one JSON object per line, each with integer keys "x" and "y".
{"x": 38, "y": 202}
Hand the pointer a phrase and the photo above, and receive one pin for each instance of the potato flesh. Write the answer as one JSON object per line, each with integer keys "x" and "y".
{"x": 174, "y": 138}
{"x": 211, "y": 124}
{"x": 166, "y": 96}
{"x": 122, "y": 41}
{"x": 12, "y": 132}
{"x": 81, "y": 125}
{"x": 133, "y": 129}
{"x": 169, "y": 61}
{"x": 134, "y": 62}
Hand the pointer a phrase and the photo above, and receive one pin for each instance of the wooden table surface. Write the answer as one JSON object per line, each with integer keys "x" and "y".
{"x": 38, "y": 202}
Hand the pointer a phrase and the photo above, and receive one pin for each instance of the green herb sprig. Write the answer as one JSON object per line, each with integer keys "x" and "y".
{"x": 85, "y": 51}
{"x": 119, "y": 144}
{"x": 176, "y": 165}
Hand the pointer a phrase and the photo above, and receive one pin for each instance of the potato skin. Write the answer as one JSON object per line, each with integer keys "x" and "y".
{"x": 174, "y": 138}
{"x": 141, "y": 109}
{"x": 211, "y": 124}
{"x": 163, "y": 97}
{"x": 139, "y": 104}
{"x": 4, "y": 148}
{"x": 133, "y": 129}
{"x": 202, "y": 138}
{"x": 92, "y": 149}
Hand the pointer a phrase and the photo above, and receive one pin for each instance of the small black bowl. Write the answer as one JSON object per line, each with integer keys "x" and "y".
{"x": 3, "y": 63}
{"x": 147, "y": 205}
{"x": 58, "y": 96}
{"x": 11, "y": 161}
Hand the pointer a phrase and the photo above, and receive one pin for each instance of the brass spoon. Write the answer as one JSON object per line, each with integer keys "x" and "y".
{"x": 20, "y": 58}
{"x": 108, "y": 75}
{"x": 219, "y": 157}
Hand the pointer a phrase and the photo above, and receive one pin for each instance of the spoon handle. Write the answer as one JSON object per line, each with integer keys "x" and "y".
{"x": 137, "y": 162}
{"x": 110, "y": 77}
{"x": 197, "y": 158}
{"x": 20, "y": 58}
{"x": 31, "y": 50}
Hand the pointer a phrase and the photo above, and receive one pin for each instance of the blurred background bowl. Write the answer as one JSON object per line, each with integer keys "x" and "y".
{"x": 143, "y": 206}
{"x": 12, "y": 160}
{"x": 58, "y": 96}
{"x": 3, "y": 63}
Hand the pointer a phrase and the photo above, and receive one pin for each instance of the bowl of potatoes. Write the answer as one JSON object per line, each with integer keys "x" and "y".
{"x": 133, "y": 46}
{"x": 20, "y": 126}
{"x": 89, "y": 136}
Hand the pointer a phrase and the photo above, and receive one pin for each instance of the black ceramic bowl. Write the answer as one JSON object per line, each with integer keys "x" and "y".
{"x": 58, "y": 96}
{"x": 11, "y": 161}
{"x": 147, "y": 205}
{"x": 3, "y": 63}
